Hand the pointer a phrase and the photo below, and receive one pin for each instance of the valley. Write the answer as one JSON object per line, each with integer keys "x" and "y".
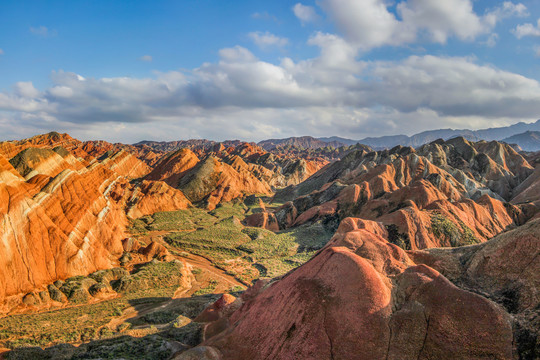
{"x": 212, "y": 250}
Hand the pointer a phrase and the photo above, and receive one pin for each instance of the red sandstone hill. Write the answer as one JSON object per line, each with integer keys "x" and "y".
{"x": 65, "y": 206}
{"x": 173, "y": 166}
{"x": 212, "y": 181}
{"x": 8, "y": 149}
{"x": 64, "y": 215}
{"x": 65, "y": 203}
{"x": 443, "y": 194}
{"x": 220, "y": 173}
{"x": 362, "y": 297}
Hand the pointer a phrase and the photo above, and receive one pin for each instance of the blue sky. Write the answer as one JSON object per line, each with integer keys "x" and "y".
{"x": 167, "y": 70}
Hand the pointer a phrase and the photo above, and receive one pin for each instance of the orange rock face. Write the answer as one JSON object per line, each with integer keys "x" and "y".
{"x": 363, "y": 297}
{"x": 265, "y": 220}
{"x": 152, "y": 196}
{"x": 125, "y": 164}
{"x": 437, "y": 196}
{"x": 212, "y": 181}
{"x": 9, "y": 149}
{"x": 69, "y": 227}
{"x": 62, "y": 216}
{"x": 173, "y": 166}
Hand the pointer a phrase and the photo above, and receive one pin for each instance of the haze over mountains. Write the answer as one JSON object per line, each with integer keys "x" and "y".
{"x": 385, "y": 142}
{"x": 524, "y": 135}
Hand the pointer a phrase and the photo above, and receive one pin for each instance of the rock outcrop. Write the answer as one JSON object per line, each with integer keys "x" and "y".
{"x": 63, "y": 215}
{"x": 443, "y": 194}
{"x": 212, "y": 181}
{"x": 149, "y": 197}
{"x": 362, "y": 297}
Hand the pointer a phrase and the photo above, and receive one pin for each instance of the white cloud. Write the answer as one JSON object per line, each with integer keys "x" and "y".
{"x": 441, "y": 19}
{"x": 527, "y": 30}
{"x": 336, "y": 55}
{"x": 25, "y": 89}
{"x": 236, "y": 54}
{"x": 61, "y": 91}
{"x": 370, "y": 23}
{"x": 367, "y": 23}
{"x": 305, "y": 13}
{"x": 438, "y": 84}
{"x": 241, "y": 96}
{"x": 267, "y": 39}
{"x": 43, "y": 31}
{"x": 146, "y": 58}
{"x": 508, "y": 9}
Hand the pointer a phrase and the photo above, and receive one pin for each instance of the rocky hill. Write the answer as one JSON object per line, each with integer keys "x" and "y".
{"x": 363, "y": 297}
{"x": 193, "y": 144}
{"x": 303, "y": 142}
{"x": 66, "y": 204}
{"x": 523, "y": 131}
{"x": 442, "y": 194}
{"x": 403, "y": 253}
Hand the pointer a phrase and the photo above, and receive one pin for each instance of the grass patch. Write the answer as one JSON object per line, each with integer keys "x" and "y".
{"x": 151, "y": 283}
{"x": 209, "y": 289}
{"x": 249, "y": 253}
{"x": 454, "y": 235}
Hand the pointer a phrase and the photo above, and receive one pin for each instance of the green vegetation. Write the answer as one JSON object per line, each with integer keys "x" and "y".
{"x": 180, "y": 220}
{"x": 249, "y": 253}
{"x": 455, "y": 235}
{"x": 155, "y": 274}
{"x": 244, "y": 252}
{"x": 397, "y": 238}
{"x": 152, "y": 283}
{"x": 112, "y": 328}
{"x": 208, "y": 289}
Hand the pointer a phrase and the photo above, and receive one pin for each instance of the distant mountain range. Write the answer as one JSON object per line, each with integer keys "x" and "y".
{"x": 528, "y": 141}
{"x": 202, "y": 144}
{"x": 305, "y": 142}
{"x": 425, "y": 137}
{"x": 526, "y": 136}
{"x": 522, "y": 134}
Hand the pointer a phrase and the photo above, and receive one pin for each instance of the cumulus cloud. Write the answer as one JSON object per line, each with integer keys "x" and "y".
{"x": 305, "y": 13}
{"x": 336, "y": 92}
{"x": 25, "y": 89}
{"x": 508, "y": 9}
{"x": 266, "y": 40}
{"x": 43, "y": 31}
{"x": 527, "y": 30}
{"x": 441, "y": 19}
{"x": 146, "y": 58}
{"x": 437, "y": 83}
{"x": 241, "y": 96}
{"x": 370, "y": 23}
{"x": 367, "y": 23}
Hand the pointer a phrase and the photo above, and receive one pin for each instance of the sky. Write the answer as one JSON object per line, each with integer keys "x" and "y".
{"x": 126, "y": 71}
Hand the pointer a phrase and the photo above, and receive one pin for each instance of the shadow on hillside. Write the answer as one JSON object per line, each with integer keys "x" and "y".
{"x": 159, "y": 327}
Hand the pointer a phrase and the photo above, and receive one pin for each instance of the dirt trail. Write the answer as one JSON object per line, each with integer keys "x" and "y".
{"x": 201, "y": 262}
{"x": 192, "y": 259}
{"x": 132, "y": 313}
